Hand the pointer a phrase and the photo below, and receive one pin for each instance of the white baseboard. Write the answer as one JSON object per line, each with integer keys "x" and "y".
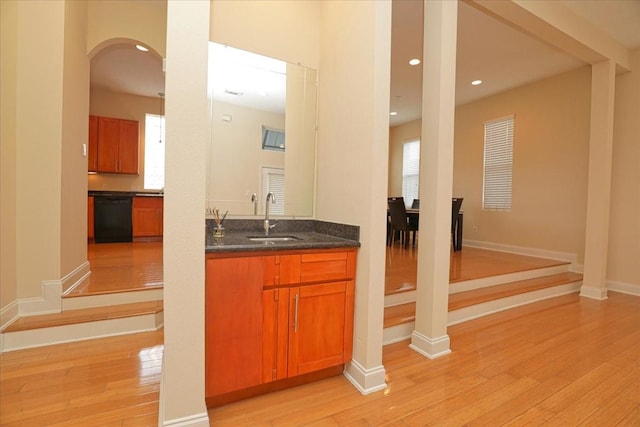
{"x": 397, "y": 333}
{"x": 8, "y": 314}
{"x": 195, "y": 420}
{"x": 49, "y": 302}
{"x": 76, "y": 277}
{"x": 483, "y": 282}
{"x": 367, "y": 381}
{"x": 51, "y": 299}
{"x": 399, "y": 298}
{"x": 593, "y": 293}
{"x": 431, "y": 348}
{"x": 623, "y": 288}
{"x": 521, "y": 250}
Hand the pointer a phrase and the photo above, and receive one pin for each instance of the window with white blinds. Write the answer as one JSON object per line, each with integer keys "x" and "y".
{"x": 154, "y": 152}
{"x": 498, "y": 164}
{"x": 410, "y": 171}
{"x": 273, "y": 181}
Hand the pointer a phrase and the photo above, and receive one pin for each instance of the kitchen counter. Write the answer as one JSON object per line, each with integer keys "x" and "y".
{"x": 125, "y": 193}
{"x": 306, "y": 234}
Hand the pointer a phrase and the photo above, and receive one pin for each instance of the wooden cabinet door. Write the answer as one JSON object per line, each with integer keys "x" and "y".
{"x": 234, "y": 324}
{"x": 92, "y": 146}
{"x": 90, "y": 227}
{"x": 108, "y": 141}
{"x": 116, "y": 145}
{"x": 147, "y": 216}
{"x": 321, "y": 326}
{"x": 128, "y": 147}
{"x": 275, "y": 331}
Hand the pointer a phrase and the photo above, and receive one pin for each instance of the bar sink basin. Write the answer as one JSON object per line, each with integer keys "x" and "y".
{"x": 273, "y": 238}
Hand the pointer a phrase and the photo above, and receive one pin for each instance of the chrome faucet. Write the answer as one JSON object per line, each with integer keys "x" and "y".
{"x": 270, "y": 197}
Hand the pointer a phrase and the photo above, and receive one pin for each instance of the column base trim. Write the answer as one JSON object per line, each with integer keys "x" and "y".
{"x": 431, "y": 348}
{"x": 593, "y": 293}
{"x": 366, "y": 381}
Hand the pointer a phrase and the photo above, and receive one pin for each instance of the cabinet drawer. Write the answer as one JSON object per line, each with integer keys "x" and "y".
{"x": 148, "y": 202}
{"x": 327, "y": 266}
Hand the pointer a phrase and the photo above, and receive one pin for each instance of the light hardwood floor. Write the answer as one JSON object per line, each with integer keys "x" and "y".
{"x": 467, "y": 264}
{"x": 122, "y": 267}
{"x": 564, "y": 361}
{"x": 560, "y": 362}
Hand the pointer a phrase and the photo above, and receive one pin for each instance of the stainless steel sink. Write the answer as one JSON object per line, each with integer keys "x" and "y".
{"x": 273, "y": 238}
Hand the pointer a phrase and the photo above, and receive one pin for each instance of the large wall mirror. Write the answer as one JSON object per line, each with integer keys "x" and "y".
{"x": 263, "y": 134}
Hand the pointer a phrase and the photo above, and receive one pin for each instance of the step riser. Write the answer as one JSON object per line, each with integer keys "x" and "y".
{"x": 495, "y": 306}
{"x": 80, "y": 331}
{"x": 403, "y": 331}
{"x": 399, "y": 298}
{"x": 469, "y": 285}
{"x": 484, "y": 282}
{"x": 106, "y": 300}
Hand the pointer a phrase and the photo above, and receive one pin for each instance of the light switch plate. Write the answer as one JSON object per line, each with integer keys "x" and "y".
{"x": 84, "y": 150}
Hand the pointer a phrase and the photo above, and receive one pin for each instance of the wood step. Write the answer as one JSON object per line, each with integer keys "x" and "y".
{"x": 404, "y": 313}
{"x": 398, "y": 314}
{"x": 84, "y": 315}
{"x": 490, "y": 293}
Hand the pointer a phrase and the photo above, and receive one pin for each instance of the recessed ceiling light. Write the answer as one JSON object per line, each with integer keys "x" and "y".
{"x": 476, "y": 82}
{"x": 414, "y": 61}
{"x": 142, "y": 48}
{"x": 393, "y": 113}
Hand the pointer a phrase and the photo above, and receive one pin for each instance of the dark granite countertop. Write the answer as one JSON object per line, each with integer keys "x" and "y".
{"x": 309, "y": 234}
{"x": 125, "y": 193}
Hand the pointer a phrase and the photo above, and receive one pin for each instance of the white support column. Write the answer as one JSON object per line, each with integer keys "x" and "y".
{"x": 603, "y": 76}
{"x": 182, "y": 393}
{"x": 436, "y": 177}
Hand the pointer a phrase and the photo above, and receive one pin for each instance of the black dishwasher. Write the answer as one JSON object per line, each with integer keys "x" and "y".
{"x": 112, "y": 219}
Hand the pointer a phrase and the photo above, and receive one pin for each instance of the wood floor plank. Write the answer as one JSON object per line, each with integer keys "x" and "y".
{"x": 122, "y": 267}
{"x": 94, "y": 314}
{"x": 490, "y": 293}
{"x": 468, "y": 264}
{"x": 567, "y": 359}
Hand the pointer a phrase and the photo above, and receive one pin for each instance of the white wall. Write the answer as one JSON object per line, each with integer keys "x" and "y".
{"x": 281, "y": 29}
{"x": 237, "y": 156}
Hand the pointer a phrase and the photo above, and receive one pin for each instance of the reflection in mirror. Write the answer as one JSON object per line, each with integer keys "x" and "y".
{"x": 263, "y": 132}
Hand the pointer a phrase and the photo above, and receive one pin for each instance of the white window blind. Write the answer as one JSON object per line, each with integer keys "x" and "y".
{"x": 498, "y": 164}
{"x": 273, "y": 181}
{"x": 410, "y": 171}
{"x": 154, "y": 152}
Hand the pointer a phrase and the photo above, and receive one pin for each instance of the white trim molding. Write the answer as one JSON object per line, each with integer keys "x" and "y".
{"x": 195, "y": 420}
{"x": 535, "y": 252}
{"x": 49, "y": 302}
{"x": 76, "y": 277}
{"x": 431, "y": 348}
{"x": 624, "y": 288}
{"x": 8, "y": 314}
{"x": 593, "y": 293}
{"x": 52, "y": 291}
{"x": 367, "y": 381}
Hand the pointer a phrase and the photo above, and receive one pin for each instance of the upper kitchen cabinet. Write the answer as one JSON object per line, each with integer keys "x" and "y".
{"x": 115, "y": 143}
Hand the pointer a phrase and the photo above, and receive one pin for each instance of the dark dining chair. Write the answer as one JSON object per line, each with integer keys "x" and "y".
{"x": 413, "y": 219}
{"x": 456, "y": 204}
{"x": 399, "y": 222}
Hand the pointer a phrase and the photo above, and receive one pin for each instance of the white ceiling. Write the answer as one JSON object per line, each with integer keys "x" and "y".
{"x": 487, "y": 49}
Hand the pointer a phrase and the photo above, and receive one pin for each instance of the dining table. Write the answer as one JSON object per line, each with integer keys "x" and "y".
{"x": 457, "y": 232}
